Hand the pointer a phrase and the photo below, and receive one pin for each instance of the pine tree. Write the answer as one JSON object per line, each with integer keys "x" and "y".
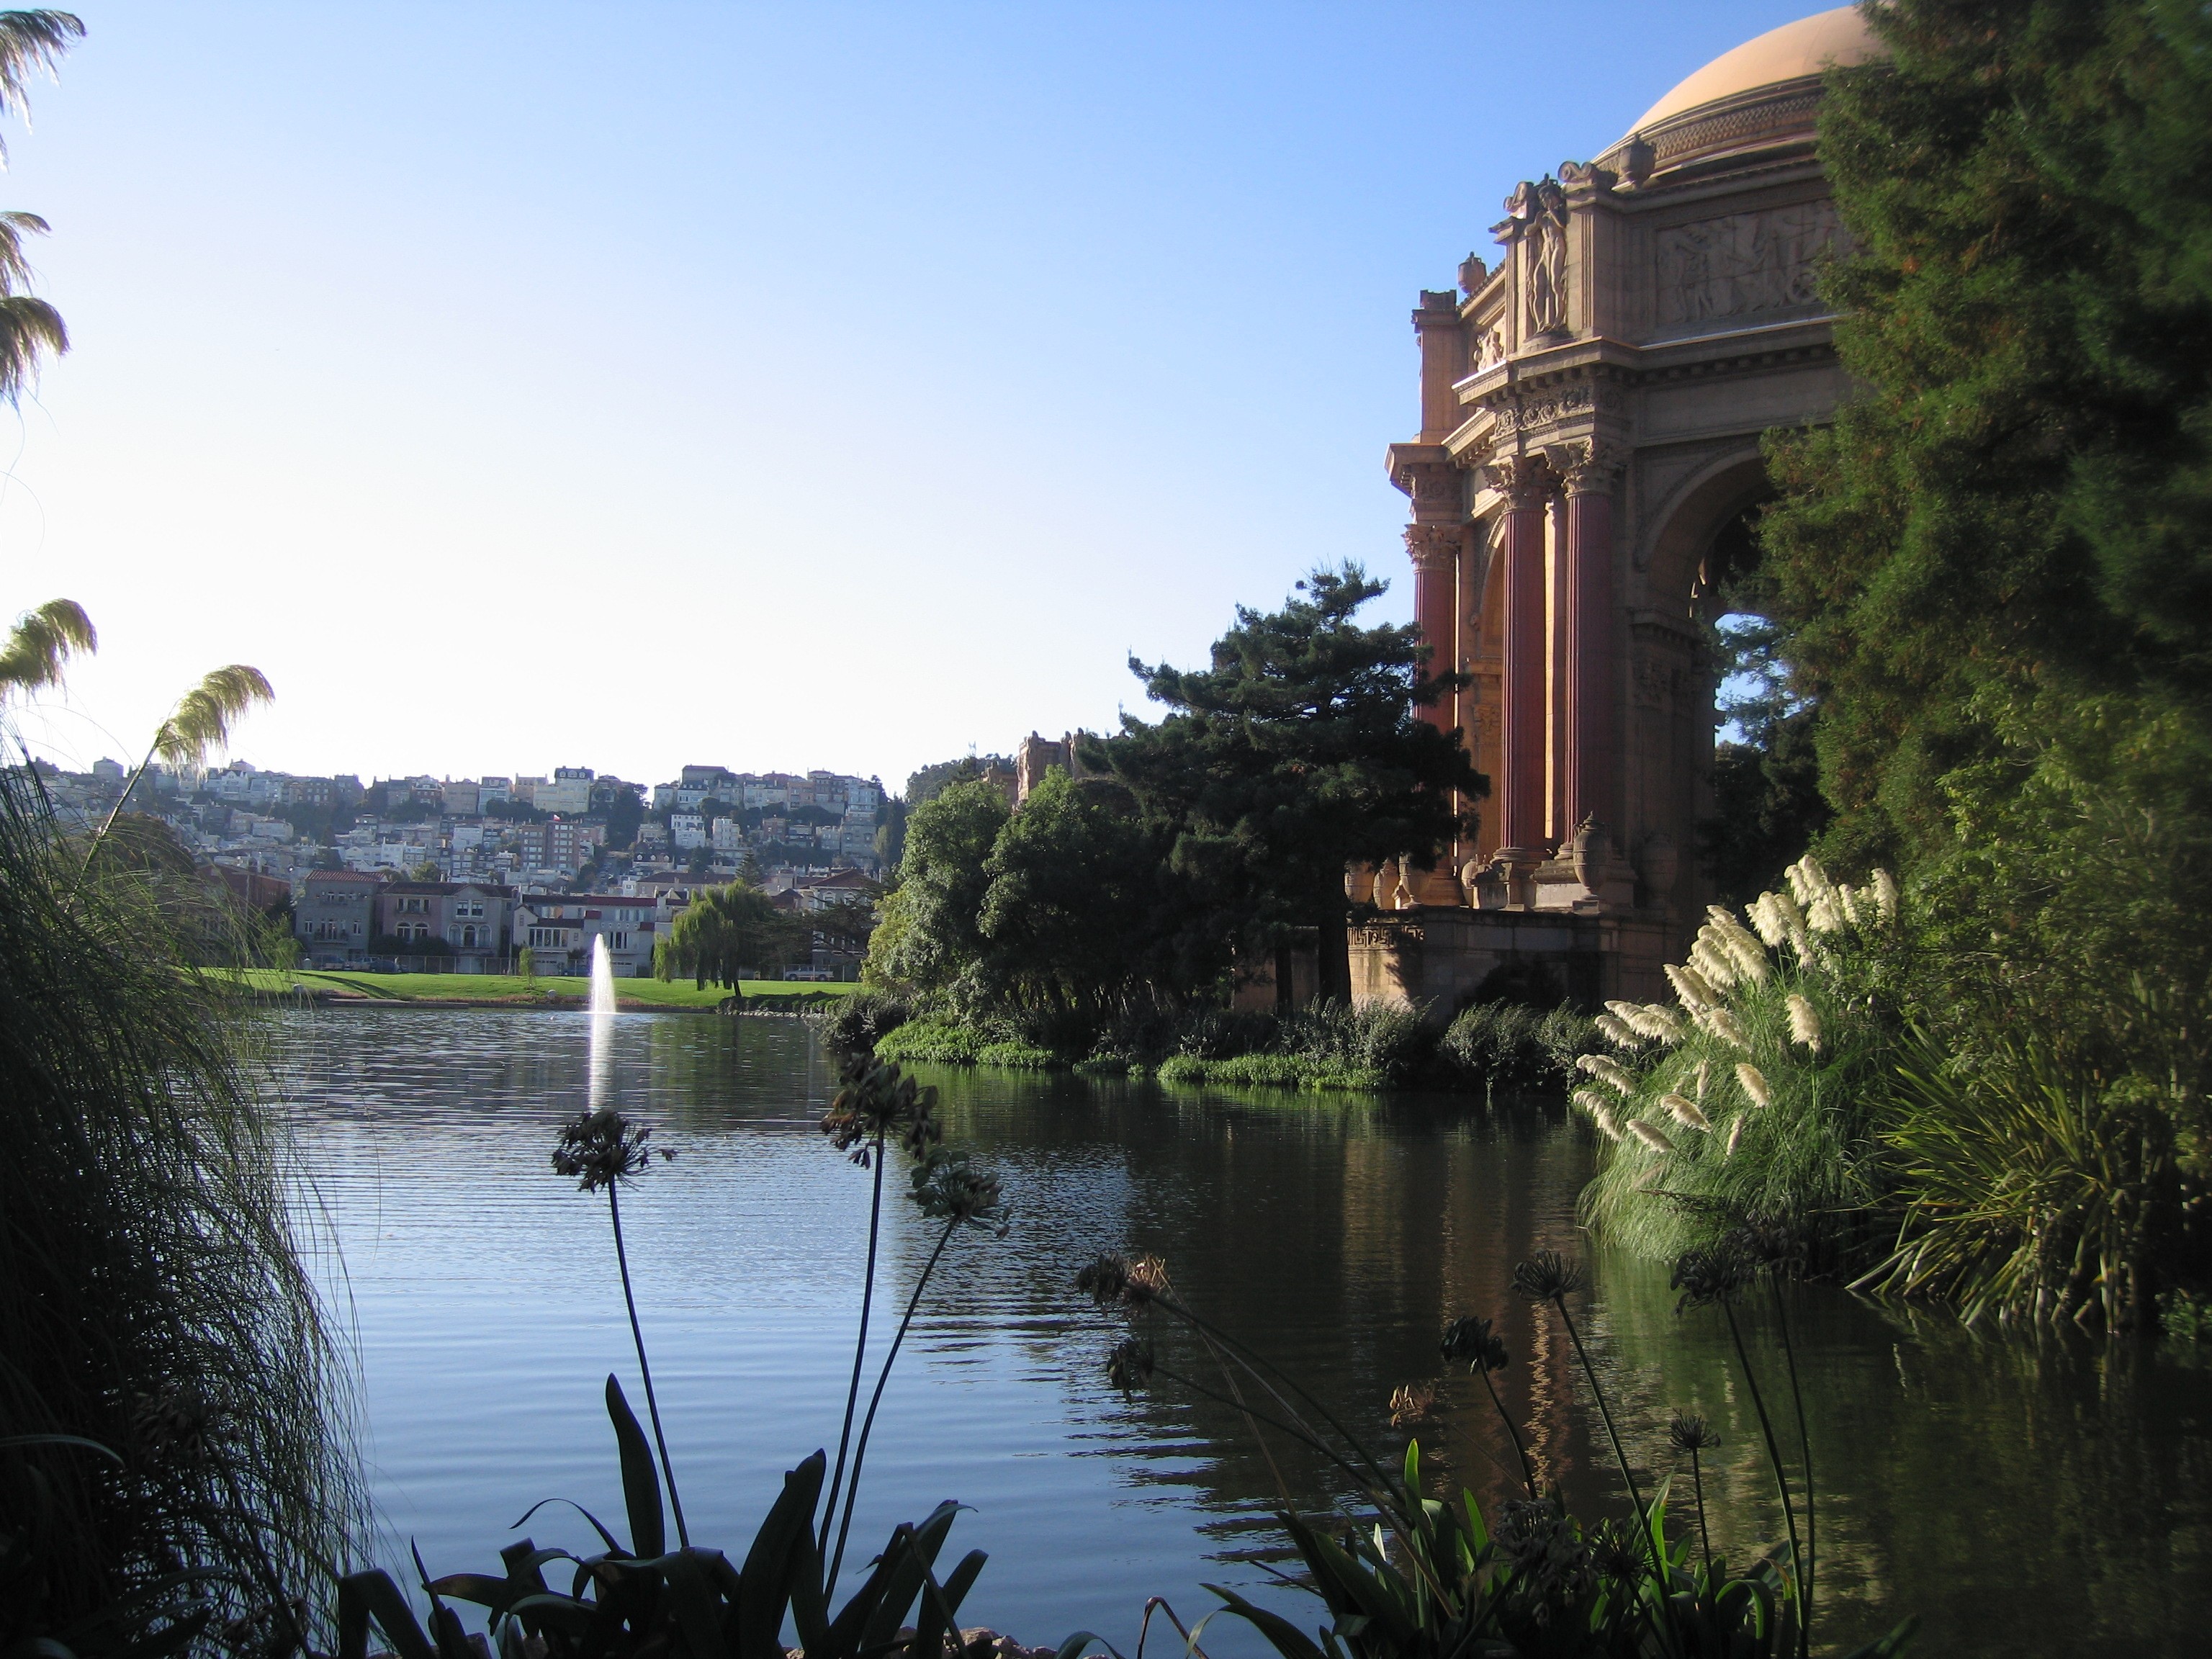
{"x": 2016, "y": 514}
{"x": 1300, "y": 747}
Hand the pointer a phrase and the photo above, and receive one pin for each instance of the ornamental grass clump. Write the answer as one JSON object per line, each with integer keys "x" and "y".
{"x": 1759, "y": 1096}
{"x": 175, "y": 1450}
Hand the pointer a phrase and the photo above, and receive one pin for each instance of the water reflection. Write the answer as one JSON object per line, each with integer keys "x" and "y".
{"x": 2023, "y": 1497}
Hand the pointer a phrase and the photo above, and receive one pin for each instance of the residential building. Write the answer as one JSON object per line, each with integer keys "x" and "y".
{"x": 557, "y": 929}
{"x": 467, "y": 921}
{"x": 333, "y": 917}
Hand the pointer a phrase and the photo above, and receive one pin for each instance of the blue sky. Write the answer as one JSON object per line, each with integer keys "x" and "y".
{"x": 841, "y": 386}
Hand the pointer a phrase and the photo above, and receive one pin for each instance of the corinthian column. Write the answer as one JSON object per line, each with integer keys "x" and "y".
{"x": 1434, "y": 549}
{"x": 1591, "y": 716}
{"x": 1527, "y": 484}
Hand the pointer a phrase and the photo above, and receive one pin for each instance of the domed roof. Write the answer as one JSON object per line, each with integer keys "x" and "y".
{"x": 1791, "y": 53}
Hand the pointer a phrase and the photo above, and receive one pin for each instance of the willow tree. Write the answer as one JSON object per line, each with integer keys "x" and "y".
{"x": 724, "y": 931}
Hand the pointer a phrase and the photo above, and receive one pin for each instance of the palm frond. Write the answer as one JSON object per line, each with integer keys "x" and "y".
{"x": 31, "y": 42}
{"x": 29, "y": 329}
{"x": 41, "y": 643}
{"x": 204, "y": 715}
{"x": 14, "y": 269}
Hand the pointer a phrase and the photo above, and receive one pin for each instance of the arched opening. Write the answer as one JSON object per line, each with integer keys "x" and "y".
{"x": 1764, "y": 802}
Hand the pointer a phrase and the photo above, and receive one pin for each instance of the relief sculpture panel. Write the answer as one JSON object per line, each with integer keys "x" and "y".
{"x": 1745, "y": 264}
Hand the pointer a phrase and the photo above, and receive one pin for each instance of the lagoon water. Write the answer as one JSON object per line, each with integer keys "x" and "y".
{"x": 2020, "y": 1496}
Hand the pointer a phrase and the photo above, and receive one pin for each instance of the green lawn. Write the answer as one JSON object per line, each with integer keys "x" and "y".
{"x": 513, "y": 988}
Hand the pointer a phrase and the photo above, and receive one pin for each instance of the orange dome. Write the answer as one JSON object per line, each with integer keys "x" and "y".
{"x": 1792, "y": 52}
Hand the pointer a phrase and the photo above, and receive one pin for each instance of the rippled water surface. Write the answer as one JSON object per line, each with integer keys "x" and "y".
{"x": 2021, "y": 1497}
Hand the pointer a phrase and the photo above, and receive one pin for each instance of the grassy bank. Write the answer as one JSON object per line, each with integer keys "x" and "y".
{"x": 1495, "y": 1049}
{"x": 513, "y": 990}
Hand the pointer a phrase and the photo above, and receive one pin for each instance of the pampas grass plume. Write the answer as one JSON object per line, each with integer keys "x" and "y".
{"x": 1619, "y": 1032}
{"x": 1727, "y": 1028}
{"x": 1704, "y": 1076}
{"x": 1754, "y": 1083}
{"x": 1607, "y": 1070}
{"x": 1707, "y": 958}
{"x": 1804, "y": 1022}
{"x": 1650, "y": 1135}
{"x": 1690, "y": 985}
{"x": 1684, "y": 1111}
{"x": 1885, "y": 895}
{"x": 1735, "y": 1136}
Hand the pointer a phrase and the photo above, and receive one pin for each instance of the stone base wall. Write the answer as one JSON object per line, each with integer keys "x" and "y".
{"x": 1443, "y": 957}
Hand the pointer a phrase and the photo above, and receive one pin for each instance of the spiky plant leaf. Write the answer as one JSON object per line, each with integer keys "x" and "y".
{"x": 41, "y": 643}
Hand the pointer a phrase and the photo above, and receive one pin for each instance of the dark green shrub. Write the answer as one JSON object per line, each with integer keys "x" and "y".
{"x": 1501, "y": 1048}
{"x": 862, "y": 1019}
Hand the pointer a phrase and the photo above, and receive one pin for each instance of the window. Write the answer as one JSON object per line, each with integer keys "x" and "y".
{"x": 617, "y": 941}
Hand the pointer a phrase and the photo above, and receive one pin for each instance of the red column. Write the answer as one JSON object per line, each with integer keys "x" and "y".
{"x": 1591, "y": 716}
{"x": 1434, "y": 549}
{"x": 1520, "y": 793}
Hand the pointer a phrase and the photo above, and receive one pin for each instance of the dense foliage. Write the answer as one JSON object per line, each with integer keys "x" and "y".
{"x": 1195, "y": 848}
{"x": 1991, "y": 583}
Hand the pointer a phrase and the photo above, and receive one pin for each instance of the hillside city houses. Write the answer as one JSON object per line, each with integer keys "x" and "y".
{"x": 463, "y": 875}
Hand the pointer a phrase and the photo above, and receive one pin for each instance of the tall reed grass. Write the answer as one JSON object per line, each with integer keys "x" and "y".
{"x": 153, "y": 1301}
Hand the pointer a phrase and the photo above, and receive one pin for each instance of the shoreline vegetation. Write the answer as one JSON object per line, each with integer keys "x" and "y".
{"x": 336, "y": 987}
{"x": 1492, "y": 1049}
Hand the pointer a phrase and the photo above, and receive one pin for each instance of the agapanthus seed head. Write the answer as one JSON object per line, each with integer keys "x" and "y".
{"x": 946, "y": 1186}
{"x": 1103, "y": 1277}
{"x": 1692, "y": 1434}
{"x": 877, "y": 1104}
{"x": 1546, "y": 1276}
{"x": 1804, "y": 1022}
{"x": 1470, "y": 1341}
{"x": 1130, "y": 1366}
{"x": 1685, "y": 1112}
{"x": 1754, "y": 1083}
{"x": 1707, "y": 1275}
{"x": 596, "y": 1149}
{"x": 1650, "y": 1135}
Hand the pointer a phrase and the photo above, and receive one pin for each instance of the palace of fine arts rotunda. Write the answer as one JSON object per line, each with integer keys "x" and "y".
{"x": 1591, "y": 410}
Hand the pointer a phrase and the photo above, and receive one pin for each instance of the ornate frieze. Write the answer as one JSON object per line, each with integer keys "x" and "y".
{"x": 1743, "y": 265}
